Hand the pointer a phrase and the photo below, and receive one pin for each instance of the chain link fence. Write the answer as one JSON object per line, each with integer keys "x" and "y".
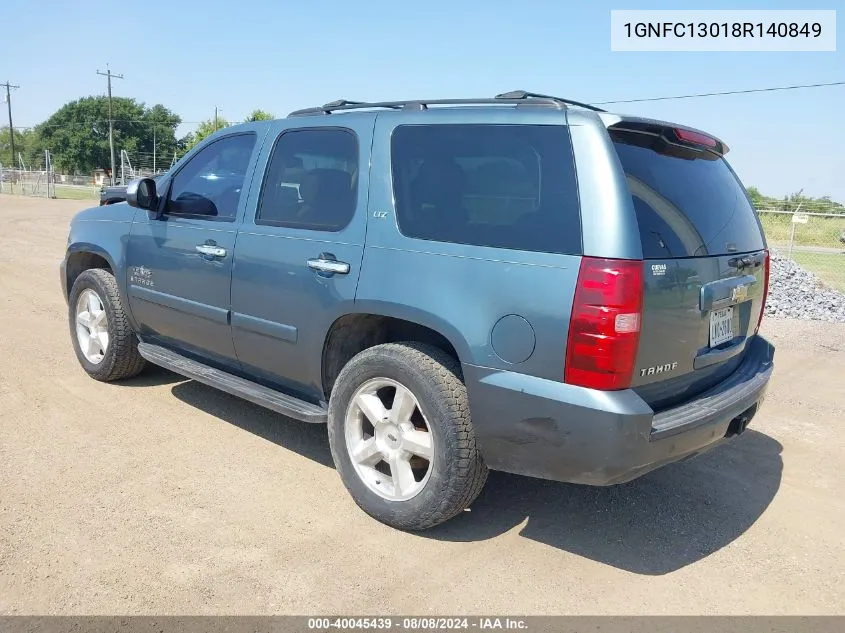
{"x": 813, "y": 236}
{"x": 28, "y": 166}
{"x": 46, "y": 184}
{"x": 40, "y": 179}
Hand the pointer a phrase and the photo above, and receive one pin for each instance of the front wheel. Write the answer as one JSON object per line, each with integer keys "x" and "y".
{"x": 401, "y": 435}
{"x": 103, "y": 340}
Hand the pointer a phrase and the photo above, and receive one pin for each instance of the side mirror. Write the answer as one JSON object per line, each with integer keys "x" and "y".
{"x": 141, "y": 193}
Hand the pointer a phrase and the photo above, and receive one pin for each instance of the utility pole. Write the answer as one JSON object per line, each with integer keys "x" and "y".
{"x": 110, "y": 74}
{"x": 215, "y": 118}
{"x": 11, "y": 129}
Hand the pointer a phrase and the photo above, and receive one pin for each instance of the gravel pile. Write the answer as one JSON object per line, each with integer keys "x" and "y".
{"x": 797, "y": 293}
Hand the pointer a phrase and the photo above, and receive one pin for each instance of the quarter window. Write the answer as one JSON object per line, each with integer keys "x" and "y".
{"x": 505, "y": 186}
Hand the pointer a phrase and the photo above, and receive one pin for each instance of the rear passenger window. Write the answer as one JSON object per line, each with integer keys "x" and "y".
{"x": 311, "y": 180}
{"x": 505, "y": 186}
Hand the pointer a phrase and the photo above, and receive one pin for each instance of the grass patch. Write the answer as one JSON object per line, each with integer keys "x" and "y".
{"x": 817, "y": 232}
{"x": 828, "y": 267}
{"x": 66, "y": 192}
{"x": 69, "y": 192}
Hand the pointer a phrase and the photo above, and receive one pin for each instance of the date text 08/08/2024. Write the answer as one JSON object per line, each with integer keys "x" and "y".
{"x": 417, "y": 623}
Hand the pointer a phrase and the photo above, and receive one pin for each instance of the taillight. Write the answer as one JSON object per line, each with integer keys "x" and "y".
{"x": 765, "y": 292}
{"x": 604, "y": 331}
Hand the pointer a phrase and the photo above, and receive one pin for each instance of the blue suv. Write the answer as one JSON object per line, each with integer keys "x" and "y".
{"x": 522, "y": 283}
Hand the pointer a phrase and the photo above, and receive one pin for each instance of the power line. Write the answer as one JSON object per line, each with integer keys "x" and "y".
{"x": 92, "y": 122}
{"x": 727, "y": 92}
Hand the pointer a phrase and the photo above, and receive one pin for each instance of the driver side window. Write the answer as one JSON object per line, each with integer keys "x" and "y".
{"x": 209, "y": 186}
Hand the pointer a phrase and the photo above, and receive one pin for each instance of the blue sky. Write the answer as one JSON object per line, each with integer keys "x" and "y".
{"x": 283, "y": 55}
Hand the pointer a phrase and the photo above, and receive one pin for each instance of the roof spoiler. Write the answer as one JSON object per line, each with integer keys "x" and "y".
{"x": 678, "y": 135}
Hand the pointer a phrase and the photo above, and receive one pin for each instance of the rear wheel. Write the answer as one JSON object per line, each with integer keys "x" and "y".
{"x": 401, "y": 435}
{"x": 103, "y": 340}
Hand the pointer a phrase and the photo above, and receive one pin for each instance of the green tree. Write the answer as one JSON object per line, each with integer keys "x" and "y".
{"x": 756, "y": 196}
{"x": 259, "y": 115}
{"x": 203, "y": 131}
{"x": 161, "y": 137}
{"x": 26, "y": 144}
{"x": 77, "y": 134}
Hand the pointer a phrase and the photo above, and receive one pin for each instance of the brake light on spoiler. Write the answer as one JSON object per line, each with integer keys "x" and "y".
{"x": 688, "y": 136}
{"x": 604, "y": 329}
{"x": 670, "y": 134}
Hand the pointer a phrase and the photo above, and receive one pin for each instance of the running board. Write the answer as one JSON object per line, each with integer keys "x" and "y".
{"x": 224, "y": 381}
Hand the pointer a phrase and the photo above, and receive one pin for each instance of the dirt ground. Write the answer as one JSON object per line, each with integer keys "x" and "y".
{"x": 163, "y": 496}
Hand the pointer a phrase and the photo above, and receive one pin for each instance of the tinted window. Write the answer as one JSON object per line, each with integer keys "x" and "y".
{"x": 311, "y": 181}
{"x": 507, "y": 186}
{"x": 687, "y": 206}
{"x": 209, "y": 185}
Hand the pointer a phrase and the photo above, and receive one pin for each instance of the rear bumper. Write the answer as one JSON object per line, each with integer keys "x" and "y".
{"x": 542, "y": 428}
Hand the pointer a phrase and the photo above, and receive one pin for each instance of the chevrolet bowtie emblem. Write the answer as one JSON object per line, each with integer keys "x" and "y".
{"x": 739, "y": 293}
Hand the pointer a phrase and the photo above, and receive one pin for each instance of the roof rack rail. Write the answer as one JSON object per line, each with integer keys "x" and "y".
{"x": 516, "y": 97}
{"x": 339, "y": 104}
{"x": 523, "y": 94}
{"x": 414, "y": 104}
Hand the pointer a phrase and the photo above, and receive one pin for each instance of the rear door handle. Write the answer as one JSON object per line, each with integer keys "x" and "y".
{"x": 328, "y": 266}
{"x": 209, "y": 250}
{"x": 745, "y": 262}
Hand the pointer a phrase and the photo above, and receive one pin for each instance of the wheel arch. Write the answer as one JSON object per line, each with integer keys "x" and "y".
{"x": 376, "y": 323}
{"x": 85, "y": 255}
{"x": 82, "y": 257}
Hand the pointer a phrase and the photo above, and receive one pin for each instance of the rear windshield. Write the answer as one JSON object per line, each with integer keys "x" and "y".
{"x": 686, "y": 206}
{"x": 503, "y": 186}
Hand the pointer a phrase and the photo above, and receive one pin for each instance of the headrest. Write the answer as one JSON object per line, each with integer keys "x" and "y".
{"x": 324, "y": 182}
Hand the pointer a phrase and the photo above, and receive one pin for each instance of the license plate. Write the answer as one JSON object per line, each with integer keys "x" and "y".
{"x": 721, "y": 326}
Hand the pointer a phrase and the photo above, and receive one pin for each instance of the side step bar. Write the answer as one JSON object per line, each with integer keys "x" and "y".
{"x": 224, "y": 381}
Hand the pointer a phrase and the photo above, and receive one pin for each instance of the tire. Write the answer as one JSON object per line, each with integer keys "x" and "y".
{"x": 120, "y": 359}
{"x": 456, "y": 472}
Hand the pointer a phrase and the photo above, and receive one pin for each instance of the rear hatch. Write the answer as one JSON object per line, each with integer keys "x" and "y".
{"x": 705, "y": 269}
